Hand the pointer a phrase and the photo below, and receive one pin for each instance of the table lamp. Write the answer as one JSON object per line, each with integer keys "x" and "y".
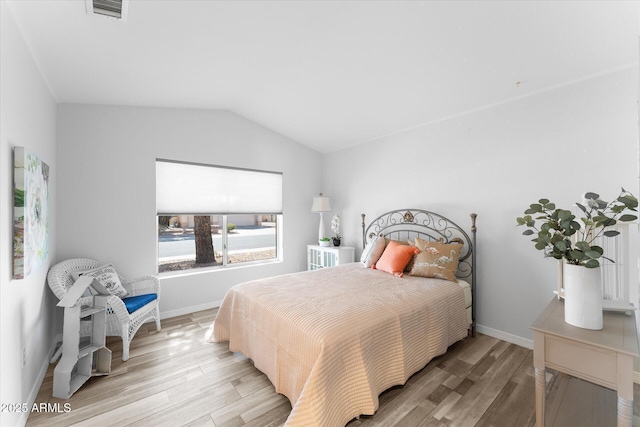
{"x": 321, "y": 205}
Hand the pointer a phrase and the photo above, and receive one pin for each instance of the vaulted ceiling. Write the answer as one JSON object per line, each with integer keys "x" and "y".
{"x": 327, "y": 74}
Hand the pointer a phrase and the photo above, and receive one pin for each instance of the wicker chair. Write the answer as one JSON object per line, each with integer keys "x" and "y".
{"x": 119, "y": 322}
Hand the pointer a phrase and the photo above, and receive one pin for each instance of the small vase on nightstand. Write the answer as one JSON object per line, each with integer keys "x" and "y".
{"x": 336, "y": 241}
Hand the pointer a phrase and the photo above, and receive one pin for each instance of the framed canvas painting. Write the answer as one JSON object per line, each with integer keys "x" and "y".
{"x": 30, "y": 212}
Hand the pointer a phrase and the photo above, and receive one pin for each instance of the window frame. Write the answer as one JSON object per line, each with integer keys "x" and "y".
{"x": 224, "y": 251}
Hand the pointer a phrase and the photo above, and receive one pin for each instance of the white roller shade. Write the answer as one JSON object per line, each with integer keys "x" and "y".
{"x": 191, "y": 188}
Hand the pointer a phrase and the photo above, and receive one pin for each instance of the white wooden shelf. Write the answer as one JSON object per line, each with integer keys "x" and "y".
{"x": 328, "y": 256}
{"x": 82, "y": 356}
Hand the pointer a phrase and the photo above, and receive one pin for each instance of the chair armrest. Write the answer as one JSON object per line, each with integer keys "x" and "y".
{"x": 118, "y": 308}
{"x": 141, "y": 285}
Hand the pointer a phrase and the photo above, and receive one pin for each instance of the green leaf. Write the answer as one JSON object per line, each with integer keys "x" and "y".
{"x": 536, "y": 207}
{"x": 564, "y": 215}
{"x": 561, "y": 246}
{"x": 611, "y": 233}
{"x": 527, "y": 232}
{"x": 588, "y": 222}
{"x": 540, "y": 246}
{"x": 597, "y": 249}
{"x": 543, "y": 201}
{"x": 629, "y": 201}
{"x": 627, "y": 217}
{"x": 576, "y": 254}
{"x": 557, "y": 237}
{"x": 592, "y": 263}
{"x": 583, "y": 246}
{"x": 592, "y": 254}
{"x": 582, "y": 208}
{"x": 592, "y": 196}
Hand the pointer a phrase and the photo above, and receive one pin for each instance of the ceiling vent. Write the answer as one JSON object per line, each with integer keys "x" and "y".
{"x": 111, "y": 8}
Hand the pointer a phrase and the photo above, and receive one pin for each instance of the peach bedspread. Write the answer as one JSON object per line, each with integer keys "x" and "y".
{"x": 332, "y": 340}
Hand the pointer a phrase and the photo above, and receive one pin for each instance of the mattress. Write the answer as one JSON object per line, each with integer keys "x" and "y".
{"x": 466, "y": 288}
{"x": 332, "y": 340}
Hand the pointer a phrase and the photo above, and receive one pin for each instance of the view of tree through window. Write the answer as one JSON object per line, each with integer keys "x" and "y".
{"x": 187, "y": 241}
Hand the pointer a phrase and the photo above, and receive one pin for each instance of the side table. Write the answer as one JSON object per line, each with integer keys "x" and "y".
{"x": 603, "y": 357}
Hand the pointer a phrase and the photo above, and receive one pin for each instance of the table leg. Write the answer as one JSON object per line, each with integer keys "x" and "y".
{"x": 625, "y": 390}
{"x": 625, "y": 412}
{"x": 540, "y": 381}
{"x": 540, "y": 395}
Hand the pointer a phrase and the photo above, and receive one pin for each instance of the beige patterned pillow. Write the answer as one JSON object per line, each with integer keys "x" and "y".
{"x": 107, "y": 276}
{"x": 436, "y": 260}
{"x": 373, "y": 251}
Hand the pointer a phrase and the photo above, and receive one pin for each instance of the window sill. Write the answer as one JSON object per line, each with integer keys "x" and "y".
{"x": 207, "y": 270}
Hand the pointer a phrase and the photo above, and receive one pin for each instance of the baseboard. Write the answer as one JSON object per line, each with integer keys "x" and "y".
{"x": 33, "y": 393}
{"x": 514, "y": 339}
{"x": 189, "y": 310}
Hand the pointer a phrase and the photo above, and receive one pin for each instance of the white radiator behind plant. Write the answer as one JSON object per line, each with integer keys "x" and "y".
{"x": 615, "y": 275}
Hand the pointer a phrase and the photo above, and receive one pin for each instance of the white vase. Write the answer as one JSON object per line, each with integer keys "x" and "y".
{"x": 582, "y": 296}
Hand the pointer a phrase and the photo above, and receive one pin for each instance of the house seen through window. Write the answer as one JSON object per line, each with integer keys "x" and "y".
{"x": 214, "y": 216}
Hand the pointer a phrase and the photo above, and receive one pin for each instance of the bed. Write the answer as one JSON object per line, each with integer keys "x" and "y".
{"x": 333, "y": 339}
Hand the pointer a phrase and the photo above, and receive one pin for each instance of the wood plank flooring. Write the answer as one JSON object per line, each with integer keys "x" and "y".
{"x": 176, "y": 378}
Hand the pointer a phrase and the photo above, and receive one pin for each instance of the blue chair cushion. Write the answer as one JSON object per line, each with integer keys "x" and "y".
{"x": 134, "y": 303}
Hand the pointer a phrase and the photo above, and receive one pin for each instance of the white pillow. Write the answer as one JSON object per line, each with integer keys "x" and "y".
{"x": 373, "y": 251}
{"x": 107, "y": 276}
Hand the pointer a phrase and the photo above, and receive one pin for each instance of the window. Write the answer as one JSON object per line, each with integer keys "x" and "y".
{"x": 213, "y": 216}
{"x": 244, "y": 239}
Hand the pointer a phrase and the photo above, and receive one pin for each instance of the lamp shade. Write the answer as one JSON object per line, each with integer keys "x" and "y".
{"x": 321, "y": 204}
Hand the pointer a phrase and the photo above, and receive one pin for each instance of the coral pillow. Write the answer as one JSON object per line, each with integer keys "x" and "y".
{"x": 395, "y": 258}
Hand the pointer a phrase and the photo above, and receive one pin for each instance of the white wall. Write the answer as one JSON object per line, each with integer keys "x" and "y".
{"x": 495, "y": 162}
{"x": 28, "y": 119}
{"x": 106, "y": 206}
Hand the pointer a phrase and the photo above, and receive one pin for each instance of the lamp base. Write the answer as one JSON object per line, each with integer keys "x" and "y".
{"x": 321, "y": 231}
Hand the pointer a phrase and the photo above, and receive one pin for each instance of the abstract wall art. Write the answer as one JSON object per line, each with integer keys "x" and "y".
{"x": 30, "y": 212}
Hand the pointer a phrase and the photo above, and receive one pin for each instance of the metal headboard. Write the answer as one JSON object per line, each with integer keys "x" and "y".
{"x": 407, "y": 224}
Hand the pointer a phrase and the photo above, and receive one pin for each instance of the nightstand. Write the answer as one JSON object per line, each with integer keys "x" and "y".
{"x": 328, "y": 256}
{"x": 603, "y": 357}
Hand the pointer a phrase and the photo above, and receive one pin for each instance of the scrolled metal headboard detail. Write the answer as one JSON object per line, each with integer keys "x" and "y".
{"x": 406, "y": 224}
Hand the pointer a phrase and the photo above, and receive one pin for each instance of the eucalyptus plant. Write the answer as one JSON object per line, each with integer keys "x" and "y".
{"x": 560, "y": 235}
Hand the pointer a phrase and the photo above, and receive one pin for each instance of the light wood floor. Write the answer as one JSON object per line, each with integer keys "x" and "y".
{"x": 176, "y": 378}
